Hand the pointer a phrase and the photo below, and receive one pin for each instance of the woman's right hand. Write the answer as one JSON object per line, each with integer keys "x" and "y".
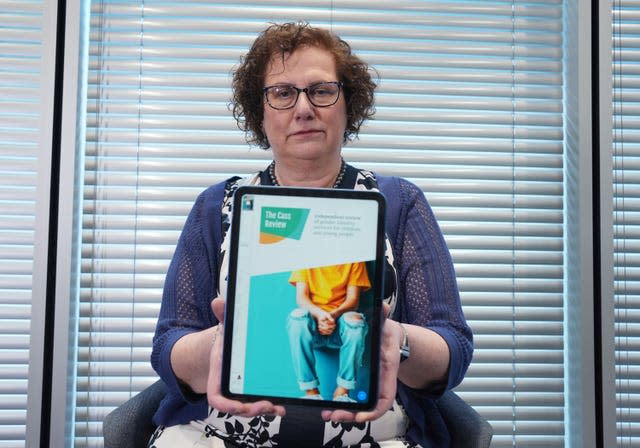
{"x": 214, "y": 395}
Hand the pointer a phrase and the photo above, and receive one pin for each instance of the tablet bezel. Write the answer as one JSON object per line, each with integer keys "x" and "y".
{"x": 374, "y": 330}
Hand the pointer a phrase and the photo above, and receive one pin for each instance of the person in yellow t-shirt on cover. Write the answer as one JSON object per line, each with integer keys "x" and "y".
{"x": 327, "y": 298}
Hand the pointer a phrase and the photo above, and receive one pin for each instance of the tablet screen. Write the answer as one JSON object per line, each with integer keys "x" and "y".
{"x": 302, "y": 320}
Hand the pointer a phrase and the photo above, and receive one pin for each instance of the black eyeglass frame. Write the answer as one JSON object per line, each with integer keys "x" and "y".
{"x": 265, "y": 91}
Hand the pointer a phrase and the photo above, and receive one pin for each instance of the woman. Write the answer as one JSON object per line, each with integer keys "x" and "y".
{"x": 301, "y": 92}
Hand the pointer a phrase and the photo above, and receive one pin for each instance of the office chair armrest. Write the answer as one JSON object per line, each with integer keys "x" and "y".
{"x": 468, "y": 429}
{"x": 130, "y": 425}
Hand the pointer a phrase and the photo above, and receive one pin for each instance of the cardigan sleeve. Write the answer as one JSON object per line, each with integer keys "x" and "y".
{"x": 427, "y": 288}
{"x": 189, "y": 288}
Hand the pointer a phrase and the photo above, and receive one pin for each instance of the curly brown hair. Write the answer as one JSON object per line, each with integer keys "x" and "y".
{"x": 248, "y": 79}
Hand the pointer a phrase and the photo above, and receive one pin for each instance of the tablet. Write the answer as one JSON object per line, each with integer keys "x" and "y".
{"x": 300, "y": 257}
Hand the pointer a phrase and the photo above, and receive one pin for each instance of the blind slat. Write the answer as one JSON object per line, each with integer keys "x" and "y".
{"x": 21, "y": 50}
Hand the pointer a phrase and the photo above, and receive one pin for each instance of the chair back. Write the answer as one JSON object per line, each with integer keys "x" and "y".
{"x": 467, "y": 428}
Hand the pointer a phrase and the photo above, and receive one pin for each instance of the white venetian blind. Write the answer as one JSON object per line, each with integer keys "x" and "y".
{"x": 20, "y": 63}
{"x": 626, "y": 178}
{"x": 469, "y": 108}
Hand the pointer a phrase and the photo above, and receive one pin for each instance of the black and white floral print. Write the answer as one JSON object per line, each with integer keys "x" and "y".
{"x": 245, "y": 432}
{"x": 155, "y": 436}
{"x": 366, "y": 180}
{"x": 227, "y": 206}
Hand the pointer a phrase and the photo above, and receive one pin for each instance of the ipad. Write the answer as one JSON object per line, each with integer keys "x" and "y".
{"x": 304, "y": 297}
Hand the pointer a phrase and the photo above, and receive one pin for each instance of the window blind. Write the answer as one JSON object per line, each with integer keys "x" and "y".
{"x": 469, "y": 108}
{"x": 20, "y": 57}
{"x": 626, "y": 153}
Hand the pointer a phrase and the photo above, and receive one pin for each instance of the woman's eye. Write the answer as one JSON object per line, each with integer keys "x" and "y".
{"x": 283, "y": 92}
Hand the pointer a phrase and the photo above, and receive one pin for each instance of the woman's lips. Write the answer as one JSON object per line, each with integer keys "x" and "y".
{"x": 306, "y": 132}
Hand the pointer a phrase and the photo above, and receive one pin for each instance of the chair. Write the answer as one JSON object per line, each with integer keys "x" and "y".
{"x": 130, "y": 425}
{"x": 468, "y": 429}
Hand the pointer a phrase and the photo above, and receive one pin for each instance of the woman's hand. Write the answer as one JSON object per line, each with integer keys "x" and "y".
{"x": 389, "y": 365}
{"x": 214, "y": 396}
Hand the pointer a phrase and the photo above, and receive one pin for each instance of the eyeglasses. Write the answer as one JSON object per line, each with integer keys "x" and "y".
{"x": 285, "y": 96}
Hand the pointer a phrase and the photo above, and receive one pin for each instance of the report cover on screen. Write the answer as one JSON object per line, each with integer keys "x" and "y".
{"x": 302, "y": 321}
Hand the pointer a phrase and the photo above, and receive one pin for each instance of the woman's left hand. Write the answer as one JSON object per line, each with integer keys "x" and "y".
{"x": 214, "y": 394}
{"x": 389, "y": 365}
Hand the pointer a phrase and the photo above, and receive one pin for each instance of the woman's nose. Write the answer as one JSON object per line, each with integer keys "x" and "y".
{"x": 303, "y": 108}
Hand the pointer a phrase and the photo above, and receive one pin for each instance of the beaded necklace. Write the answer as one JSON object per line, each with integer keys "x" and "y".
{"x": 274, "y": 180}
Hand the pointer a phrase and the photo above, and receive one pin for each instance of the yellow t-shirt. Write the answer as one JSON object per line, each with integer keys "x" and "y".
{"x": 328, "y": 284}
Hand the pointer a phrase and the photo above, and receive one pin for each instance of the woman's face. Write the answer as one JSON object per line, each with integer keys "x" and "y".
{"x": 305, "y": 131}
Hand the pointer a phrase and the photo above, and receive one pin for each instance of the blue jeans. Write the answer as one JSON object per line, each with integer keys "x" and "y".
{"x": 349, "y": 336}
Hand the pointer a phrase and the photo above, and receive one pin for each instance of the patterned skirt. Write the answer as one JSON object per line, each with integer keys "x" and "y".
{"x": 300, "y": 427}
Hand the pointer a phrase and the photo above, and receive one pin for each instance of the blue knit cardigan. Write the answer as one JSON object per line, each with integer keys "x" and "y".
{"x": 426, "y": 287}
